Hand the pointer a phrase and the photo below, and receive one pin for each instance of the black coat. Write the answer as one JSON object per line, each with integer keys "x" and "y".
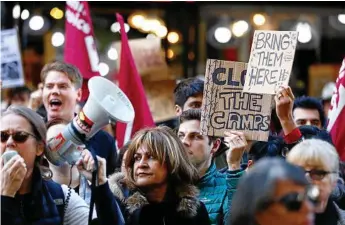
{"x": 179, "y": 208}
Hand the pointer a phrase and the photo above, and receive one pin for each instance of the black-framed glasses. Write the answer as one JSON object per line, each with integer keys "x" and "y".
{"x": 317, "y": 174}
{"x": 293, "y": 201}
{"x": 18, "y": 136}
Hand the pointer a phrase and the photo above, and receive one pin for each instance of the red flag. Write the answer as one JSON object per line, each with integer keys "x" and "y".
{"x": 337, "y": 114}
{"x": 80, "y": 47}
{"x": 130, "y": 83}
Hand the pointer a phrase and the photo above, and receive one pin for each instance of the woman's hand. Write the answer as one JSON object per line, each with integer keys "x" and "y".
{"x": 12, "y": 175}
{"x": 86, "y": 166}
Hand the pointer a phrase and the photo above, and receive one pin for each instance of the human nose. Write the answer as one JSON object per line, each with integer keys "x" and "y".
{"x": 10, "y": 142}
{"x": 186, "y": 141}
{"x": 143, "y": 161}
{"x": 56, "y": 90}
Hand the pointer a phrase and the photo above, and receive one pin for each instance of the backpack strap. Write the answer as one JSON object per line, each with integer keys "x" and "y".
{"x": 55, "y": 190}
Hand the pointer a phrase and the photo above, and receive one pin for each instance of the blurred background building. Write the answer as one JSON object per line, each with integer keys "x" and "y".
{"x": 187, "y": 33}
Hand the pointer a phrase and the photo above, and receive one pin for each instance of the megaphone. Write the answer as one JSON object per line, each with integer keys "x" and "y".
{"x": 106, "y": 103}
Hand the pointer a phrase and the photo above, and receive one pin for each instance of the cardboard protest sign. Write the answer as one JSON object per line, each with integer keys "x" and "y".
{"x": 270, "y": 61}
{"x": 11, "y": 62}
{"x": 226, "y": 107}
{"x": 148, "y": 57}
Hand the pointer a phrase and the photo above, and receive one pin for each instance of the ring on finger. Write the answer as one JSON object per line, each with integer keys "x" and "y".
{"x": 279, "y": 95}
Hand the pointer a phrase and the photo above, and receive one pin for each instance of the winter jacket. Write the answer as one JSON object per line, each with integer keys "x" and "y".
{"x": 180, "y": 207}
{"x": 43, "y": 206}
{"x": 213, "y": 193}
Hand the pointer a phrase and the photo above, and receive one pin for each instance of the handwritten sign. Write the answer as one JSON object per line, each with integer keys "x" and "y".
{"x": 148, "y": 56}
{"x": 11, "y": 61}
{"x": 270, "y": 61}
{"x": 226, "y": 107}
{"x": 160, "y": 98}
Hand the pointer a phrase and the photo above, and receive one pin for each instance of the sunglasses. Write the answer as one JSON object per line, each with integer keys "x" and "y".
{"x": 316, "y": 174}
{"x": 293, "y": 201}
{"x": 18, "y": 136}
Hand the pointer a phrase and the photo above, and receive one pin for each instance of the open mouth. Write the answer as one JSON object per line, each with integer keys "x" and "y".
{"x": 55, "y": 103}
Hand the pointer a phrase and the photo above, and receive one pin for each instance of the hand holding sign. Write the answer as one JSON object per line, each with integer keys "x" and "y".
{"x": 270, "y": 61}
{"x": 237, "y": 143}
{"x": 284, "y": 104}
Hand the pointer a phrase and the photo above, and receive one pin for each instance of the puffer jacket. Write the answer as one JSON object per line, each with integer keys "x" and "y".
{"x": 213, "y": 193}
{"x": 180, "y": 207}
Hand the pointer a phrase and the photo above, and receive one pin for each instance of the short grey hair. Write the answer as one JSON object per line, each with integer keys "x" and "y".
{"x": 316, "y": 153}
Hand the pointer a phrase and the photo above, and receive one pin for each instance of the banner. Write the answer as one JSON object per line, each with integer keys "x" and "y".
{"x": 80, "y": 47}
{"x": 11, "y": 62}
{"x": 336, "y": 114}
{"x": 226, "y": 107}
{"x": 270, "y": 61}
{"x": 130, "y": 83}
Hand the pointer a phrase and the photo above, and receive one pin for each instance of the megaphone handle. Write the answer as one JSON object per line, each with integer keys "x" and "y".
{"x": 93, "y": 184}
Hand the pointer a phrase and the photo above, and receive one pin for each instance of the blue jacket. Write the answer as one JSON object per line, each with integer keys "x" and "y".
{"x": 103, "y": 145}
{"x": 38, "y": 207}
{"x": 213, "y": 193}
{"x": 45, "y": 205}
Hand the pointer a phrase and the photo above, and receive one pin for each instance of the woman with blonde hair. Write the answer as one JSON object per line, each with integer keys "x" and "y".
{"x": 320, "y": 161}
{"x": 158, "y": 186}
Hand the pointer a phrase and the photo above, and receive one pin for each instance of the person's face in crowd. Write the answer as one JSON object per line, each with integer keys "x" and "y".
{"x": 22, "y": 140}
{"x": 60, "y": 96}
{"x": 21, "y": 100}
{"x": 147, "y": 170}
{"x": 323, "y": 182}
{"x": 193, "y": 102}
{"x": 199, "y": 147}
{"x": 307, "y": 117}
{"x": 279, "y": 213}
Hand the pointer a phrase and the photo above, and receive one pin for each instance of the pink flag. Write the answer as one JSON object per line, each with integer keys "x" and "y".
{"x": 80, "y": 47}
{"x": 130, "y": 83}
{"x": 336, "y": 114}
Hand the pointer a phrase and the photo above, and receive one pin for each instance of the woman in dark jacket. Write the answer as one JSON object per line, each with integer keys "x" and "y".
{"x": 157, "y": 185}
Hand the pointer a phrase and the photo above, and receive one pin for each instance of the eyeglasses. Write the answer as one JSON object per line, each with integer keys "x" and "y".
{"x": 18, "y": 136}
{"x": 318, "y": 175}
{"x": 293, "y": 201}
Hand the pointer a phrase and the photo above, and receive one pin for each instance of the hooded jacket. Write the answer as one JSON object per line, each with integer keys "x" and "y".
{"x": 180, "y": 207}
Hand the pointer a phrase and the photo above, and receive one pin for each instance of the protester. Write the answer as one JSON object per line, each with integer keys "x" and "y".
{"x": 61, "y": 92}
{"x": 308, "y": 111}
{"x": 273, "y": 192}
{"x": 80, "y": 178}
{"x": 212, "y": 184}
{"x": 65, "y": 173}
{"x": 158, "y": 187}
{"x": 25, "y": 196}
{"x": 188, "y": 94}
{"x": 19, "y": 96}
{"x": 320, "y": 161}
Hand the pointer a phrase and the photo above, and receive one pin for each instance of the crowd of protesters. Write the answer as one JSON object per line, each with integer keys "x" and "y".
{"x": 168, "y": 175}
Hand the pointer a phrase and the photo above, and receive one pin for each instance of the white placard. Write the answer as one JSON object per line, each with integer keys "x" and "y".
{"x": 270, "y": 61}
{"x": 11, "y": 62}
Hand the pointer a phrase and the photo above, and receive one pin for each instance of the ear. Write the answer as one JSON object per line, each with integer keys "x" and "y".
{"x": 250, "y": 163}
{"x": 215, "y": 146}
{"x": 40, "y": 149}
{"x": 178, "y": 110}
{"x": 79, "y": 93}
